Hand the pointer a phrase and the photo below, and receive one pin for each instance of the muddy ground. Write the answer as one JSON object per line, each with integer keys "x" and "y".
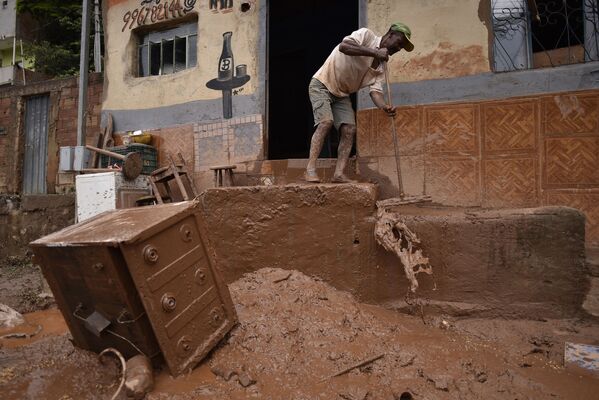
{"x": 296, "y": 332}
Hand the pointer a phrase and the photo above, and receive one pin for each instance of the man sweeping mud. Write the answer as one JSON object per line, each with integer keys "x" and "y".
{"x": 355, "y": 63}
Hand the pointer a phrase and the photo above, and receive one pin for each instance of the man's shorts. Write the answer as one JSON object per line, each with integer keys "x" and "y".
{"x": 328, "y": 107}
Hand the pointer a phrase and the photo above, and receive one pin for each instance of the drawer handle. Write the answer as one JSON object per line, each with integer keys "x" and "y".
{"x": 150, "y": 254}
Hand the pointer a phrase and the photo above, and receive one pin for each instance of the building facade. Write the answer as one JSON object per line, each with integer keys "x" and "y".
{"x": 498, "y": 103}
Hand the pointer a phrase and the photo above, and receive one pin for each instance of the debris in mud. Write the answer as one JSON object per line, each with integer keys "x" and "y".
{"x": 22, "y": 335}
{"x": 287, "y": 340}
{"x": 139, "y": 379}
{"x": 245, "y": 379}
{"x": 358, "y": 365}
{"x": 395, "y": 236}
{"x": 582, "y": 356}
{"x": 10, "y": 318}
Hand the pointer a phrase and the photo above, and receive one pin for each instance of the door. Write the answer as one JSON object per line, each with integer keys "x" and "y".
{"x": 301, "y": 35}
{"x": 36, "y": 145}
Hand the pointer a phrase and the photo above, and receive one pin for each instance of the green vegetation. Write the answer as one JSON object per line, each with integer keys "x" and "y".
{"x": 55, "y": 47}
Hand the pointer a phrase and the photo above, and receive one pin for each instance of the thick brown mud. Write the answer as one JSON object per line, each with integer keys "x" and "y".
{"x": 296, "y": 332}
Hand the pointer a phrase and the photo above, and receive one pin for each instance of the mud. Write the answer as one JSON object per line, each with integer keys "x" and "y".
{"x": 22, "y": 286}
{"x": 295, "y": 332}
{"x": 516, "y": 263}
{"x": 26, "y": 218}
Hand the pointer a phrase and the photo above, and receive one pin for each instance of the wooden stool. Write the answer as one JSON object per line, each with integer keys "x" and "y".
{"x": 163, "y": 175}
{"x": 225, "y": 179}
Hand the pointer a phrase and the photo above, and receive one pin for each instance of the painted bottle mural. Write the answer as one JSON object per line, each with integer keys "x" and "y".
{"x": 229, "y": 77}
{"x": 225, "y": 63}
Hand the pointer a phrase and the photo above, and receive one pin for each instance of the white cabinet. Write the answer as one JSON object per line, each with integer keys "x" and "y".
{"x": 107, "y": 191}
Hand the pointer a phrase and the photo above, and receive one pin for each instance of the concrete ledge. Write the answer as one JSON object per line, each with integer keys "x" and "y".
{"x": 511, "y": 263}
{"x": 520, "y": 262}
{"x": 40, "y": 202}
{"x": 322, "y": 230}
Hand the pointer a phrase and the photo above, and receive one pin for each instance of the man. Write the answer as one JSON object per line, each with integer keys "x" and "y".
{"x": 355, "y": 63}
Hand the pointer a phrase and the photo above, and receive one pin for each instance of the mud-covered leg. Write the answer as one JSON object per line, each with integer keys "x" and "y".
{"x": 347, "y": 133}
{"x": 318, "y": 137}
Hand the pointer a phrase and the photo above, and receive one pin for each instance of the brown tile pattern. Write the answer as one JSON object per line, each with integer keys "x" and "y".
{"x": 520, "y": 152}
{"x": 572, "y": 162}
{"x": 172, "y": 141}
{"x": 509, "y": 127}
{"x": 453, "y": 181}
{"x": 510, "y": 183}
{"x": 571, "y": 114}
{"x": 452, "y": 129}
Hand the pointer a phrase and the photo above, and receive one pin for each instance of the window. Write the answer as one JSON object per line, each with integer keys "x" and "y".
{"x": 544, "y": 33}
{"x": 4, "y": 3}
{"x": 168, "y": 51}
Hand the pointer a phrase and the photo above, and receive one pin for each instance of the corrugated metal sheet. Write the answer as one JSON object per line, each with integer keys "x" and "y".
{"x": 36, "y": 145}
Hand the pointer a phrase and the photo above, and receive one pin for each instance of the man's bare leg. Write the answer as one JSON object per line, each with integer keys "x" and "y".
{"x": 347, "y": 133}
{"x": 321, "y": 132}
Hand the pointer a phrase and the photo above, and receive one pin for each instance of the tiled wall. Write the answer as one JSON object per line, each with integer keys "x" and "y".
{"x": 229, "y": 141}
{"x": 521, "y": 152}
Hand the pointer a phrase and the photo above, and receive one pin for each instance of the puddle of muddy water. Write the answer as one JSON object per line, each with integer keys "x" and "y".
{"x": 38, "y": 325}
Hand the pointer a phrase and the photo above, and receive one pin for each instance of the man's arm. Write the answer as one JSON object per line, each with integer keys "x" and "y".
{"x": 379, "y": 100}
{"x": 352, "y": 49}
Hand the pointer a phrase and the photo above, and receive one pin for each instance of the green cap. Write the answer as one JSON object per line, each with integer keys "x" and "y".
{"x": 403, "y": 28}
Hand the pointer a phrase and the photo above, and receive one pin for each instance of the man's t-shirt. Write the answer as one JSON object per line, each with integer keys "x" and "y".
{"x": 344, "y": 75}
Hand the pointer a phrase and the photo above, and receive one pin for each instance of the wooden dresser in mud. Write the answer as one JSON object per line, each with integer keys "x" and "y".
{"x": 141, "y": 280}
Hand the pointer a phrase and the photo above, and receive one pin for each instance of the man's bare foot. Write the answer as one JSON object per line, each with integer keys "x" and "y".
{"x": 311, "y": 176}
{"x": 342, "y": 179}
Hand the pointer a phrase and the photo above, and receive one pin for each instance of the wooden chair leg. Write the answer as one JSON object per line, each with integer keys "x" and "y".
{"x": 229, "y": 177}
{"x": 180, "y": 184}
{"x": 156, "y": 191}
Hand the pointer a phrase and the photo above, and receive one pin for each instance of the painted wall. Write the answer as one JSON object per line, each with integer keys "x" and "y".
{"x": 450, "y": 37}
{"x": 183, "y": 97}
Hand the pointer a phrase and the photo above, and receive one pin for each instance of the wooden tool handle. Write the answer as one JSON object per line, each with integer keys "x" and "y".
{"x": 106, "y": 152}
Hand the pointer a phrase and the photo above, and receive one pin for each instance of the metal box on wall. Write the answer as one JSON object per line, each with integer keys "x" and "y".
{"x": 134, "y": 268}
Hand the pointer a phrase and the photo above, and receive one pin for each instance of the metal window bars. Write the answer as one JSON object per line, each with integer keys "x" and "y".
{"x": 544, "y": 33}
{"x": 167, "y": 56}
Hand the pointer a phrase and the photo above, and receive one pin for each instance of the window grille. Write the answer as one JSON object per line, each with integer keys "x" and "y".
{"x": 544, "y": 33}
{"x": 168, "y": 51}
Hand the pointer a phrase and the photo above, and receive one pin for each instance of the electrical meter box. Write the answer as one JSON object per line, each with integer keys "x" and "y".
{"x": 141, "y": 280}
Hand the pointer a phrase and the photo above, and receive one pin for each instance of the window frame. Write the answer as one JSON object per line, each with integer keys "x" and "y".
{"x": 513, "y": 34}
{"x": 149, "y": 39}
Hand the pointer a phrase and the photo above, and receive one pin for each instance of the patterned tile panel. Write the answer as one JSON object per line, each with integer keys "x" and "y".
{"x": 572, "y": 162}
{"x": 453, "y": 181}
{"x": 452, "y": 129}
{"x": 585, "y": 201}
{"x": 171, "y": 141}
{"x": 571, "y": 114}
{"x": 366, "y": 134}
{"x": 382, "y": 133}
{"x": 510, "y": 183}
{"x": 509, "y": 127}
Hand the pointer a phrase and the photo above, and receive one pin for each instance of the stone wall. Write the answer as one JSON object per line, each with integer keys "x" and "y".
{"x": 62, "y": 125}
{"x": 519, "y": 152}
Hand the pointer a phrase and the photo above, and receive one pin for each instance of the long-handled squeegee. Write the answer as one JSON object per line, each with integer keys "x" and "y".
{"x": 402, "y": 197}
